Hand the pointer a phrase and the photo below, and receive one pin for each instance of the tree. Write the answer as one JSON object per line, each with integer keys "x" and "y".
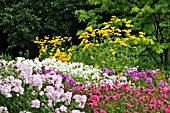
{"x": 151, "y": 16}
{"x": 23, "y": 20}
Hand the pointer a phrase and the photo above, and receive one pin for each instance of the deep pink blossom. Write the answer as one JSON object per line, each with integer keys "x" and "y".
{"x": 102, "y": 111}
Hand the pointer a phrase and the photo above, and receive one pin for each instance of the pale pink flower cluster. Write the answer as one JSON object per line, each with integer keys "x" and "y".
{"x": 76, "y": 111}
{"x": 35, "y": 103}
{"x": 24, "y": 112}
{"x": 81, "y": 100}
{"x": 10, "y": 84}
{"x": 57, "y": 95}
{"x": 3, "y": 109}
{"x": 62, "y": 109}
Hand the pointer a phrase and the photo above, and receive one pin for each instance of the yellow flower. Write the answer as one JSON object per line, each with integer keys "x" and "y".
{"x": 69, "y": 50}
{"x": 113, "y": 18}
{"x": 118, "y": 34}
{"x": 97, "y": 44}
{"x": 45, "y": 37}
{"x": 128, "y": 22}
{"x": 69, "y": 38}
{"x": 106, "y": 26}
{"x": 124, "y": 20}
{"x": 118, "y": 30}
{"x": 96, "y": 66}
{"x": 105, "y": 23}
{"x": 117, "y": 20}
{"x": 120, "y": 74}
{"x": 123, "y": 44}
{"x": 113, "y": 51}
{"x": 117, "y": 40}
{"x": 142, "y": 33}
{"x": 93, "y": 34}
{"x": 90, "y": 28}
{"x": 113, "y": 28}
{"x": 37, "y": 42}
{"x": 127, "y": 31}
{"x": 134, "y": 46}
{"x": 128, "y": 25}
{"x": 37, "y": 38}
{"x": 132, "y": 37}
{"x": 57, "y": 53}
{"x": 66, "y": 38}
{"x": 103, "y": 62}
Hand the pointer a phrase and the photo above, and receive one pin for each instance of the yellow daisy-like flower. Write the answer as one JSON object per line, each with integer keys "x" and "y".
{"x": 117, "y": 20}
{"x": 69, "y": 38}
{"x": 96, "y": 66}
{"x": 132, "y": 37}
{"x": 90, "y": 28}
{"x": 142, "y": 33}
{"x": 118, "y": 34}
{"x": 103, "y": 62}
{"x": 37, "y": 38}
{"x": 123, "y": 44}
{"x": 120, "y": 74}
{"x": 128, "y": 25}
{"x": 117, "y": 40}
{"x": 113, "y": 18}
{"x": 97, "y": 44}
{"x": 45, "y": 37}
{"x": 118, "y": 30}
{"x": 128, "y": 22}
{"x": 113, "y": 51}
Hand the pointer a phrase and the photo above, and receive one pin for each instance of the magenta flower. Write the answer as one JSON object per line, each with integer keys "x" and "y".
{"x": 148, "y": 80}
{"x": 128, "y": 105}
{"x": 102, "y": 111}
{"x": 167, "y": 110}
{"x": 113, "y": 71}
{"x": 105, "y": 70}
{"x": 149, "y": 72}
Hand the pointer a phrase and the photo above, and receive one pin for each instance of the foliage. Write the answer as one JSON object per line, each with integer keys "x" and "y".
{"x": 24, "y": 20}
{"x": 149, "y": 16}
{"x": 113, "y": 45}
{"x": 6, "y": 57}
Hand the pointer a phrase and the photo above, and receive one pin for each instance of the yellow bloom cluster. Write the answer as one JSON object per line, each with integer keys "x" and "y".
{"x": 111, "y": 33}
{"x": 53, "y": 47}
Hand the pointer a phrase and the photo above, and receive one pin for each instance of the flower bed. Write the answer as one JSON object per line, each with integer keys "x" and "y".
{"x": 53, "y": 86}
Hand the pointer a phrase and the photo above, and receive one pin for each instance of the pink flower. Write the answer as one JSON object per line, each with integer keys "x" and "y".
{"x": 93, "y": 104}
{"x": 167, "y": 110}
{"x": 94, "y": 98}
{"x": 102, "y": 111}
{"x": 128, "y": 105}
{"x": 57, "y": 110}
{"x": 35, "y": 104}
{"x": 127, "y": 111}
{"x": 63, "y": 108}
{"x": 125, "y": 86}
{"x": 96, "y": 111}
{"x": 159, "y": 103}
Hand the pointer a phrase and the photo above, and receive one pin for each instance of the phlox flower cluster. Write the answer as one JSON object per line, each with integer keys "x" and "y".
{"x": 75, "y": 69}
{"x": 10, "y": 84}
{"x": 54, "y": 86}
{"x": 3, "y": 109}
{"x": 147, "y": 76}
